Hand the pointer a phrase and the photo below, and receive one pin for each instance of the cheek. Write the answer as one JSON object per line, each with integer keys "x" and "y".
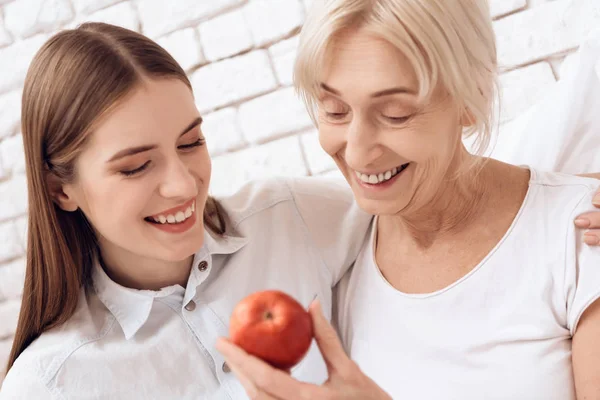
{"x": 110, "y": 208}
{"x": 412, "y": 144}
{"x": 332, "y": 139}
{"x": 200, "y": 164}
{"x": 426, "y": 142}
{"x": 110, "y": 201}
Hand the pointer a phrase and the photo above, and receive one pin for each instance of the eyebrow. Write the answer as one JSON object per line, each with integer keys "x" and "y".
{"x": 140, "y": 149}
{"x": 386, "y": 92}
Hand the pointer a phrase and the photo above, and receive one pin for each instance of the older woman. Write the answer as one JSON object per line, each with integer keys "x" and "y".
{"x": 473, "y": 283}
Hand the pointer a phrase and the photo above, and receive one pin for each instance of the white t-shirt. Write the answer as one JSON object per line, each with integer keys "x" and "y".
{"x": 503, "y": 331}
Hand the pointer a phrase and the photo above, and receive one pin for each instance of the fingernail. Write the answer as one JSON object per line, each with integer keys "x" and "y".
{"x": 312, "y": 301}
{"x": 316, "y": 304}
{"x": 582, "y": 222}
{"x": 318, "y": 308}
{"x": 596, "y": 200}
{"x": 591, "y": 239}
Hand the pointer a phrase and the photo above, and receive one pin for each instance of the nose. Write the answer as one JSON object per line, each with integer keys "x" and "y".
{"x": 178, "y": 182}
{"x": 362, "y": 143}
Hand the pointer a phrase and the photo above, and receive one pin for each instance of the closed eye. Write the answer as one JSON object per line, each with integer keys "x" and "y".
{"x": 137, "y": 170}
{"x": 397, "y": 120}
{"x": 335, "y": 115}
{"x": 188, "y": 146}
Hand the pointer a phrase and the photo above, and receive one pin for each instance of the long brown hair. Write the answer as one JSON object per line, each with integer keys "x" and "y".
{"x": 76, "y": 77}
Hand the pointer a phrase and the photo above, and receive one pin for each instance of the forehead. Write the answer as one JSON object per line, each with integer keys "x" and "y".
{"x": 359, "y": 60}
{"x": 153, "y": 110}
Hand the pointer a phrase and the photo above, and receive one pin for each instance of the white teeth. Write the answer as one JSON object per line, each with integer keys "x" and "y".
{"x": 193, "y": 206}
{"x": 177, "y": 218}
{"x": 381, "y": 177}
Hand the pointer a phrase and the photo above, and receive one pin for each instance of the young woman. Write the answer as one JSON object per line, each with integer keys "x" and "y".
{"x": 472, "y": 283}
{"x": 132, "y": 269}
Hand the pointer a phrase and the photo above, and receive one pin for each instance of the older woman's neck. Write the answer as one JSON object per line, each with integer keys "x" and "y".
{"x": 458, "y": 201}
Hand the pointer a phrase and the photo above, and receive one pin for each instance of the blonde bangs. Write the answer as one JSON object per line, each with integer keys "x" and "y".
{"x": 324, "y": 21}
{"x": 449, "y": 43}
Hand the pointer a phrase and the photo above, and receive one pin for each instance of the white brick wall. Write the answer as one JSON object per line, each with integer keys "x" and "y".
{"x": 184, "y": 46}
{"x": 553, "y": 27}
{"x": 89, "y": 6}
{"x": 5, "y": 37}
{"x": 14, "y": 60}
{"x": 25, "y": 18}
{"x": 239, "y": 54}
{"x": 270, "y": 20}
{"x": 122, "y": 14}
{"x": 283, "y": 54}
{"x": 10, "y": 112}
{"x": 233, "y": 80}
{"x": 273, "y": 115}
{"x": 225, "y": 36}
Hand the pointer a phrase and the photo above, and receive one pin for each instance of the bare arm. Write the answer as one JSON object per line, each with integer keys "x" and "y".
{"x": 595, "y": 175}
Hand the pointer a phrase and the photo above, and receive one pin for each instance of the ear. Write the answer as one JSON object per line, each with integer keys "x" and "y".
{"x": 467, "y": 118}
{"x": 61, "y": 194}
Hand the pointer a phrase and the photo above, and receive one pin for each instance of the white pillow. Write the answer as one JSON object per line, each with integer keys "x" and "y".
{"x": 561, "y": 132}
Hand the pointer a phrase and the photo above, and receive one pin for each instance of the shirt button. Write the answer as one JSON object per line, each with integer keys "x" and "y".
{"x": 191, "y": 306}
{"x": 203, "y": 266}
{"x": 226, "y": 368}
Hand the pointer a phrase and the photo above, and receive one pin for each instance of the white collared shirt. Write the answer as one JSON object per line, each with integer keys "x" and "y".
{"x": 299, "y": 236}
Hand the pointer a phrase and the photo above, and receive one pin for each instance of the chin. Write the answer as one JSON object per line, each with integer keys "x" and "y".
{"x": 179, "y": 254}
{"x": 180, "y": 250}
{"x": 381, "y": 207}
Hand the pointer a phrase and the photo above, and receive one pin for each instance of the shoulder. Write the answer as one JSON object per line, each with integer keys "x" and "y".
{"x": 38, "y": 365}
{"x": 259, "y": 196}
{"x": 321, "y": 189}
{"x": 562, "y": 194}
{"x": 25, "y": 381}
{"x": 319, "y": 213}
{"x": 559, "y": 179}
{"x": 560, "y": 199}
{"x": 254, "y": 197}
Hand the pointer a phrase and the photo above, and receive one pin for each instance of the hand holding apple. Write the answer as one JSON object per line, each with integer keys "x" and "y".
{"x": 273, "y": 327}
{"x": 262, "y": 381}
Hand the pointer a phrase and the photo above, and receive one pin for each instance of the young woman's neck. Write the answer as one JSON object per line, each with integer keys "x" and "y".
{"x": 459, "y": 199}
{"x": 137, "y": 272}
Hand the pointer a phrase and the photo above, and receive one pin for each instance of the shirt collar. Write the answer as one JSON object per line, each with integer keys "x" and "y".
{"x": 224, "y": 244}
{"x": 131, "y": 307}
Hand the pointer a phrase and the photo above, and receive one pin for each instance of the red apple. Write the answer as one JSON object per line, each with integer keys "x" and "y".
{"x": 273, "y": 327}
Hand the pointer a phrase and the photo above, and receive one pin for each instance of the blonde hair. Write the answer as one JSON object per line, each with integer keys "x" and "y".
{"x": 448, "y": 42}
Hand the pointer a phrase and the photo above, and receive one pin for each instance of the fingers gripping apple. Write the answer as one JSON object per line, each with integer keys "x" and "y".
{"x": 273, "y": 327}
